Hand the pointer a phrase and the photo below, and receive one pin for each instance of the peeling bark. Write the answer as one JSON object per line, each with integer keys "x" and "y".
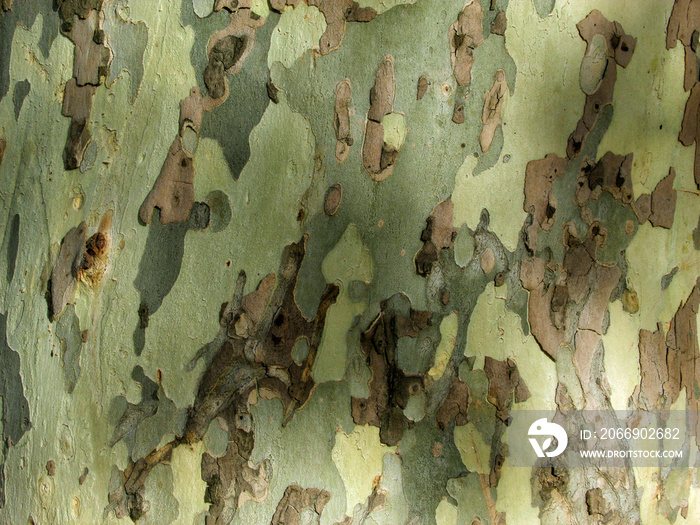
{"x": 82, "y": 24}
{"x": 390, "y": 387}
{"x": 465, "y": 35}
{"x": 257, "y": 336}
{"x": 379, "y": 157}
{"x": 337, "y": 13}
{"x": 299, "y": 505}
{"x": 504, "y": 383}
{"x": 683, "y": 26}
{"x": 437, "y": 235}
{"x": 341, "y": 123}
{"x": 491, "y": 113}
{"x": 599, "y": 82}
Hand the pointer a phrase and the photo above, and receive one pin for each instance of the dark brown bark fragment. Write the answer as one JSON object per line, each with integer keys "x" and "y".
{"x": 499, "y": 24}
{"x": 422, "y": 87}
{"x": 390, "y": 387}
{"x": 438, "y": 234}
{"x": 505, "y": 385}
{"x": 663, "y": 202}
{"x": 458, "y": 113}
{"x": 232, "y": 479}
{"x": 253, "y": 348}
{"x": 82, "y": 25}
{"x": 612, "y": 174}
{"x": 225, "y": 53}
{"x": 455, "y": 406}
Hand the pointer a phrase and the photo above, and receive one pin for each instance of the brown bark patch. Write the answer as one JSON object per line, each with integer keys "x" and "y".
{"x": 465, "y": 35}
{"x": 615, "y": 48}
{"x": 337, "y": 13}
{"x": 491, "y": 112}
{"x": 64, "y": 275}
{"x": 295, "y": 501}
{"x": 422, "y": 87}
{"x": 378, "y": 157}
{"x": 341, "y": 121}
{"x": 437, "y": 235}
{"x": 505, "y": 385}
{"x": 663, "y": 202}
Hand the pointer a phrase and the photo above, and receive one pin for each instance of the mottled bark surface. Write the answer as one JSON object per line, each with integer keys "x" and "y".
{"x": 304, "y": 261}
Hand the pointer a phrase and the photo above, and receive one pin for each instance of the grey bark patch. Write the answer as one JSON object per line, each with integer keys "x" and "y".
{"x": 219, "y": 210}
{"x": 81, "y": 8}
{"x": 199, "y": 216}
{"x": 161, "y": 262}
{"x": 89, "y": 157}
{"x": 415, "y": 355}
{"x": 490, "y": 158}
{"x": 301, "y": 350}
{"x": 20, "y": 93}
{"x": 544, "y": 7}
{"x": 299, "y": 505}
{"x": 133, "y": 414}
{"x": 232, "y": 122}
{"x": 12, "y": 246}
{"x": 68, "y": 332}
{"x": 128, "y": 42}
{"x": 24, "y": 14}
{"x": 425, "y": 476}
{"x": 666, "y": 279}
{"x": 358, "y": 291}
{"x": 63, "y": 279}
{"x": 15, "y": 408}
